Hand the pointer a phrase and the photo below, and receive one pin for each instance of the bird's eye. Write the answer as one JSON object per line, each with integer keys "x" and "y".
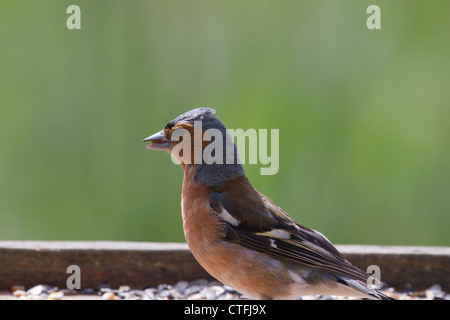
{"x": 169, "y": 125}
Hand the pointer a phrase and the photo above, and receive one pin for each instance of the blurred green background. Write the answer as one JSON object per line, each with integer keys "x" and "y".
{"x": 364, "y": 115}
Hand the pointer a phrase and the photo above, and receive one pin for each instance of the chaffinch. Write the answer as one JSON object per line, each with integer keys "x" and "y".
{"x": 241, "y": 237}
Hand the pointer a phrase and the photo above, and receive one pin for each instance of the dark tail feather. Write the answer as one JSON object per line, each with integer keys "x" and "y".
{"x": 361, "y": 287}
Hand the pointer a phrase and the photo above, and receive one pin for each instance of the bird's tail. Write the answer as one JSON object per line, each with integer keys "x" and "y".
{"x": 363, "y": 289}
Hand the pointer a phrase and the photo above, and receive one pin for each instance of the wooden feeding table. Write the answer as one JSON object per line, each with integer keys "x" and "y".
{"x": 142, "y": 264}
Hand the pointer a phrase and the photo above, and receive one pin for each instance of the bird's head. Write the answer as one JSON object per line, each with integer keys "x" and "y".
{"x": 181, "y": 130}
{"x": 199, "y": 138}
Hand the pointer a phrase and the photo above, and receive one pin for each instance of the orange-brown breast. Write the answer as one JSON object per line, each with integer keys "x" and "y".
{"x": 248, "y": 271}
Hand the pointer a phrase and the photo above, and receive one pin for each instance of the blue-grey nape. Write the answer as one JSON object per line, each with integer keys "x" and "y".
{"x": 206, "y": 115}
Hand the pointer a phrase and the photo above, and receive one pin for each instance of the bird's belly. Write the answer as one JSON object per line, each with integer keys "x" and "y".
{"x": 249, "y": 272}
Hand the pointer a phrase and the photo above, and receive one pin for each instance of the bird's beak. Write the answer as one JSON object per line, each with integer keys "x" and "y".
{"x": 158, "y": 141}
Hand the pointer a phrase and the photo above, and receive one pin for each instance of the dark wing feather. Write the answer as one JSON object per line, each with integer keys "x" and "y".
{"x": 283, "y": 239}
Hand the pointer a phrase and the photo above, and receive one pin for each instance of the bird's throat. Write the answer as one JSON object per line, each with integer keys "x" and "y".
{"x": 212, "y": 174}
